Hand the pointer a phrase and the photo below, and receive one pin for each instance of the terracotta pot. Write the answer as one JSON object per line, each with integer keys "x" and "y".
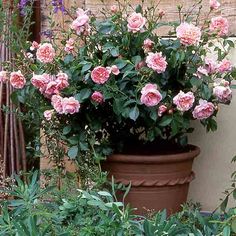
{"x": 157, "y": 181}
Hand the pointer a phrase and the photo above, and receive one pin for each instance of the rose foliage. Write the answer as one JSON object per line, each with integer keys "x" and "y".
{"x": 112, "y": 82}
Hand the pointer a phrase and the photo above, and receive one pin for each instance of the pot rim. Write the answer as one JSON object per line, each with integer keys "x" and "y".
{"x": 156, "y": 158}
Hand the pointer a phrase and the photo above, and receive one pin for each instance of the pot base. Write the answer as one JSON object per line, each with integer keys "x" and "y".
{"x": 157, "y": 181}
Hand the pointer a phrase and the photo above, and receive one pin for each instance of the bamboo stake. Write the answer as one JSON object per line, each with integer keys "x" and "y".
{"x": 12, "y": 146}
{"x": 6, "y": 132}
{"x": 17, "y": 146}
{"x": 22, "y": 146}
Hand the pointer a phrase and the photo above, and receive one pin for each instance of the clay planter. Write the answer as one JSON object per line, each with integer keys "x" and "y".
{"x": 157, "y": 181}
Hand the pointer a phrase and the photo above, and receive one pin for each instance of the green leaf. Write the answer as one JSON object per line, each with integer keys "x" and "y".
{"x": 233, "y": 159}
{"x": 86, "y": 67}
{"x": 233, "y": 225}
{"x": 105, "y": 194}
{"x": 115, "y": 52}
{"x": 138, "y": 9}
{"x": 83, "y": 94}
{"x": 195, "y": 81}
{"x": 166, "y": 120}
{"x": 68, "y": 59}
{"x": 72, "y": 152}
{"x": 226, "y": 230}
{"x": 66, "y": 130}
{"x": 120, "y": 63}
{"x": 223, "y": 205}
{"x": 134, "y": 113}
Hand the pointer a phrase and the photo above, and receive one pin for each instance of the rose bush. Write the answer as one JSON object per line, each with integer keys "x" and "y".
{"x": 114, "y": 82}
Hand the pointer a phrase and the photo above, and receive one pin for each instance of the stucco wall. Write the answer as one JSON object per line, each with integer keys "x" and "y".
{"x": 213, "y": 167}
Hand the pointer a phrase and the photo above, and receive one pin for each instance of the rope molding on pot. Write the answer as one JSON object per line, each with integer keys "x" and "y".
{"x": 157, "y": 183}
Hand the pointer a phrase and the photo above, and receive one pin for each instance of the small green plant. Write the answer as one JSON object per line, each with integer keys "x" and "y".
{"x": 33, "y": 211}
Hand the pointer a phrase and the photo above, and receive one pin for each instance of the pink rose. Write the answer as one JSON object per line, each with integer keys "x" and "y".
{"x": 224, "y": 66}
{"x": 188, "y": 34}
{"x": 219, "y": 25}
{"x": 62, "y": 80}
{"x": 204, "y": 110}
{"x": 69, "y": 47}
{"x": 80, "y": 24}
{"x": 114, "y": 8}
{"x": 136, "y": 22}
{"x": 156, "y": 61}
{"x": 113, "y": 69}
{"x": 45, "y": 53}
{"x": 39, "y": 82}
{"x": 184, "y": 101}
{"x": 97, "y": 97}
{"x": 70, "y": 105}
{"x": 140, "y": 65}
{"x": 150, "y": 95}
{"x": 211, "y": 65}
{"x": 17, "y": 80}
{"x": 3, "y": 76}
{"x": 81, "y": 12}
{"x": 56, "y": 102}
{"x": 162, "y": 109}
{"x": 51, "y": 88}
{"x": 100, "y": 75}
{"x": 34, "y": 46}
{"x": 161, "y": 13}
{"x": 148, "y": 45}
{"x": 222, "y": 93}
{"x": 48, "y": 114}
{"x": 201, "y": 71}
{"x": 214, "y": 4}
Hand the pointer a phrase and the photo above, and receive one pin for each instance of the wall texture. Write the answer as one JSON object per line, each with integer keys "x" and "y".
{"x": 212, "y": 167}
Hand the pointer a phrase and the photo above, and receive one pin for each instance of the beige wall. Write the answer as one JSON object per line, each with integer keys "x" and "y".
{"x": 213, "y": 167}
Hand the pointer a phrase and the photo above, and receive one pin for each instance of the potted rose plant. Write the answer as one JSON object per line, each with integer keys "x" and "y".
{"x": 115, "y": 88}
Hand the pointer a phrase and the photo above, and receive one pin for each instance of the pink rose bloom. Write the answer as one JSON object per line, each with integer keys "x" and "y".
{"x": 223, "y": 93}
{"x": 56, "y": 102}
{"x": 34, "y": 46}
{"x": 219, "y": 24}
{"x": 204, "y": 110}
{"x": 201, "y": 71}
{"x": 80, "y": 24}
{"x": 161, "y": 13}
{"x": 148, "y": 45}
{"x": 156, "y": 62}
{"x": 48, "y": 114}
{"x": 97, "y": 97}
{"x": 69, "y": 47}
{"x": 150, "y": 95}
{"x": 114, "y": 8}
{"x": 45, "y": 53}
{"x": 214, "y": 4}
{"x": 113, "y": 69}
{"x": 136, "y": 22}
{"x": 162, "y": 109}
{"x": 225, "y": 66}
{"x": 3, "y": 76}
{"x": 81, "y": 12}
{"x": 17, "y": 80}
{"x": 184, "y": 101}
{"x": 140, "y": 65}
{"x": 38, "y": 81}
{"x": 62, "y": 80}
{"x": 70, "y": 105}
{"x": 51, "y": 88}
{"x": 100, "y": 75}
{"x": 188, "y": 34}
{"x": 211, "y": 65}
